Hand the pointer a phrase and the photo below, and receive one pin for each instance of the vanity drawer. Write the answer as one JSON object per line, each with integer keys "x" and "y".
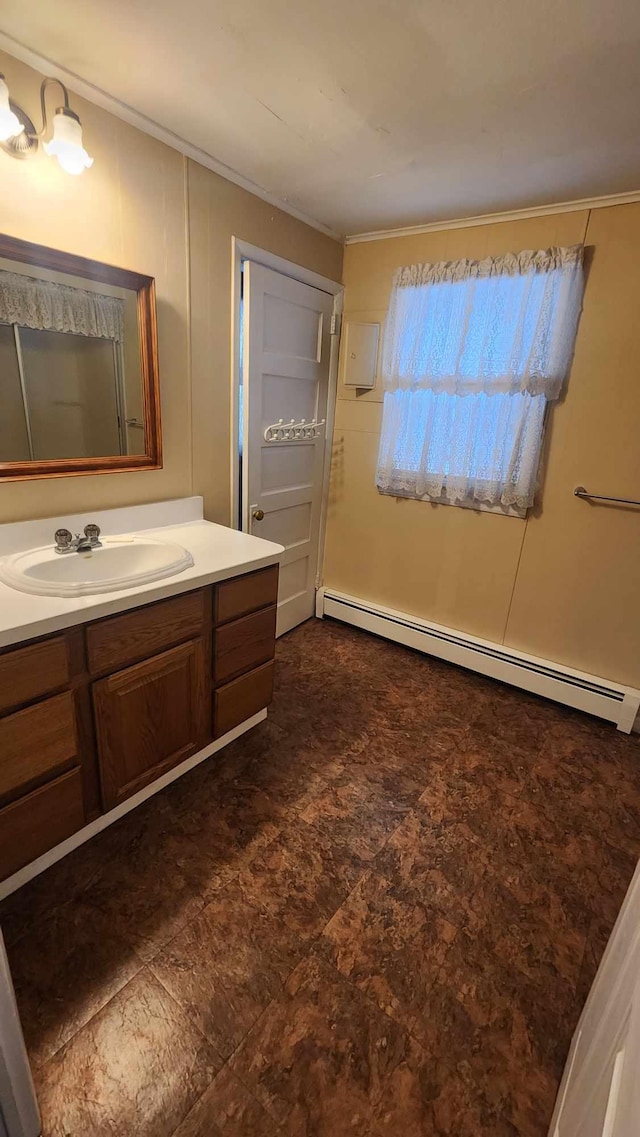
{"x": 119, "y": 640}
{"x": 246, "y": 594}
{"x": 244, "y": 644}
{"x": 243, "y": 697}
{"x": 37, "y": 742}
{"x": 27, "y": 673}
{"x": 32, "y": 825}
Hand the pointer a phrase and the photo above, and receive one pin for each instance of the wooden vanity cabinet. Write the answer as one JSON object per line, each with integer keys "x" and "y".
{"x": 92, "y": 715}
{"x": 236, "y": 701}
{"x": 244, "y": 640}
{"x": 118, "y": 640}
{"x": 150, "y": 717}
{"x": 43, "y": 744}
{"x": 36, "y": 822}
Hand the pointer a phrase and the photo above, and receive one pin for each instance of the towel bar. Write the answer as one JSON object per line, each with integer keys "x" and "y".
{"x": 580, "y": 491}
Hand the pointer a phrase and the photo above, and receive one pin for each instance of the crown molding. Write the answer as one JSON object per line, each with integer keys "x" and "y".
{"x": 149, "y": 126}
{"x": 496, "y": 218}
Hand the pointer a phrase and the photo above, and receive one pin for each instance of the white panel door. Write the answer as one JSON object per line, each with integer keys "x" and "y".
{"x": 600, "y": 1091}
{"x": 285, "y": 375}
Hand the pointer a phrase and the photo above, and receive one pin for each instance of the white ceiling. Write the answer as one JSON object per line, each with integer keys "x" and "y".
{"x": 367, "y": 114}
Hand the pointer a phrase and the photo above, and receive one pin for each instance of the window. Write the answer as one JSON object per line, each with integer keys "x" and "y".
{"x": 473, "y": 353}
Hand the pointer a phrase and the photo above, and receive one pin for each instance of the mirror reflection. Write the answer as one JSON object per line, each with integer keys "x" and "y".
{"x": 70, "y": 371}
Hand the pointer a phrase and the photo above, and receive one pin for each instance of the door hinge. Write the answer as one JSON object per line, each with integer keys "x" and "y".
{"x": 335, "y": 324}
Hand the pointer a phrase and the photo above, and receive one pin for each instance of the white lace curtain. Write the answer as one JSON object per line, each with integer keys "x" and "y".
{"x": 473, "y": 351}
{"x": 48, "y": 306}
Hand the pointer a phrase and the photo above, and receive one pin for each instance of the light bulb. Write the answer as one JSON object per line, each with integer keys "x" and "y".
{"x": 66, "y": 144}
{"x": 10, "y": 125}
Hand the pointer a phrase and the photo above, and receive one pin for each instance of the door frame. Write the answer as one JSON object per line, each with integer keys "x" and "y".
{"x": 606, "y": 1008}
{"x": 243, "y": 251}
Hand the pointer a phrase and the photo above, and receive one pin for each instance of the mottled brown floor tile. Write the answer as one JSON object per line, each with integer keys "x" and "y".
{"x": 153, "y": 889}
{"x": 539, "y": 934}
{"x": 627, "y": 750}
{"x": 292, "y": 776}
{"x": 302, "y": 877}
{"x": 616, "y": 869}
{"x": 597, "y": 939}
{"x": 268, "y": 747}
{"x": 451, "y": 800}
{"x": 230, "y": 820}
{"x": 319, "y": 1057}
{"x": 421, "y": 744}
{"x": 325, "y": 1062}
{"x": 411, "y": 701}
{"x": 511, "y": 720}
{"x": 530, "y": 1099}
{"x": 407, "y": 752}
{"x": 525, "y": 841}
{"x": 138, "y": 1067}
{"x": 67, "y": 878}
{"x": 67, "y": 968}
{"x": 427, "y": 1098}
{"x": 509, "y": 1032}
{"x": 439, "y": 865}
{"x": 361, "y": 807}
{"x": 624, "y": 830}
{"x": 495, "y": 763}
{"x": 227, "y": 965}
{"x": 226, "y": 1109}
{"x": 585, "y": 745}
{"x": 390, "y": 948}
{"x": 325, "y": 712}
{"x": 578, "y": 799}
{"x": 542, "y": 849}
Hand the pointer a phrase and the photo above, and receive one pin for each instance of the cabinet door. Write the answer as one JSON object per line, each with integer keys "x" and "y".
{"x": 150, "y": 717}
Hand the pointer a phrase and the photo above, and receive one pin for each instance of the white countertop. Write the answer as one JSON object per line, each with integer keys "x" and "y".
{"x": 218, "y": 553}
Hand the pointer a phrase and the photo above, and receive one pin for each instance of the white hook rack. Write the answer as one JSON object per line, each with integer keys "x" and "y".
{"x": 293, "y": 431}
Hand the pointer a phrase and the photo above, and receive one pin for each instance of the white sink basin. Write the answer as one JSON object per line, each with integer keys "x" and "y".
{"x": 122, "y": 562}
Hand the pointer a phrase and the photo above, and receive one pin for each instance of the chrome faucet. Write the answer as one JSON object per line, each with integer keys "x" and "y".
{"x": 67, "y": 543}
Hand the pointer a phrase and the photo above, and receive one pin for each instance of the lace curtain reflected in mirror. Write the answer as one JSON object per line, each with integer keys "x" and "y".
{"x": 70, "y": 375}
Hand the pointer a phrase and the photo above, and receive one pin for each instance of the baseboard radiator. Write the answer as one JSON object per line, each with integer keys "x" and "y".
{"x": 588, "y": 693}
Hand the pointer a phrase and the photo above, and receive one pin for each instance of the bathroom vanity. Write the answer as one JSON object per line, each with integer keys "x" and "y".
{"x": 132, "y": 687}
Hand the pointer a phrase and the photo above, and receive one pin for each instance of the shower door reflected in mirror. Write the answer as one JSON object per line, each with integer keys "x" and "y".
{"x": 78, "y": 365}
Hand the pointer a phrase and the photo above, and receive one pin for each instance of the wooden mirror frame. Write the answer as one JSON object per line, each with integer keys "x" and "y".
{"x": 12, "y": 248}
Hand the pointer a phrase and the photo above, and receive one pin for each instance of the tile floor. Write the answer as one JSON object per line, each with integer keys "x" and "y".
{"x": 377, "y": 914}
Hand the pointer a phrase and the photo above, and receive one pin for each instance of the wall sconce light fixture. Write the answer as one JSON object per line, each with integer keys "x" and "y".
{"x": 20, "y": 139}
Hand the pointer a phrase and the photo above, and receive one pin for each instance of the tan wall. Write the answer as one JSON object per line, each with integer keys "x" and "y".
{"x": 218, "y": 209}
{"x": 128, "y": 210}
{"x": 565, "y": 583}
{"x": 134, "y": 209}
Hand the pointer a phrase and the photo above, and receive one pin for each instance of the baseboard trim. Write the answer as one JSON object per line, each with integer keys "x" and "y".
{"x": 12, "y": 883}
{"x": 589, "y": 693}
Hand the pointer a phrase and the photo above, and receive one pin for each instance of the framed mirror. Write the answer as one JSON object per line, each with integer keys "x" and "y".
{"x": 79, "y": 390}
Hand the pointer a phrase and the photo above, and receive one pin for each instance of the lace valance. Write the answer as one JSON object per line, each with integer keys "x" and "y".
{"x": 502, "y": 325}
{"x": 48, "y": 306}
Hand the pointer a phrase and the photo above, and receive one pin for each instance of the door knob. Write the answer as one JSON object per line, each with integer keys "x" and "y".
{"x": 258, "y": 514}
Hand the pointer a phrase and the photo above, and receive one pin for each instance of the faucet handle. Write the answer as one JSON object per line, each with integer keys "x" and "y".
{"x": 63, "y": 539}
{"x": 92, "y": 532}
